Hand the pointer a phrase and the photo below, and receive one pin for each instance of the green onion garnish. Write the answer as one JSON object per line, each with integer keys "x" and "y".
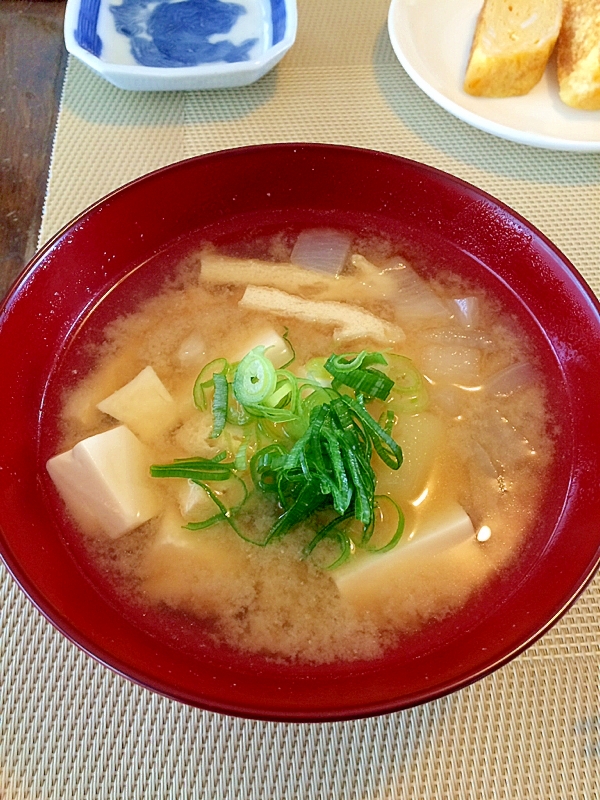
{"x": 255, "y": 378}
{"x": 365, "y": 542}
{"x": 219, "y": 404}
{"x": 409, "y": 394}
{"x": 194, "y": 469}
{"x": 224, "y": 514}
{"x": 203, "y": 381}
{"x": 356, "y": 374}
{"x": 307, "y": 445}
{"x": 333, "y": 531}
{"x": 387, "y": 449}
{"x": 265, "y": 466}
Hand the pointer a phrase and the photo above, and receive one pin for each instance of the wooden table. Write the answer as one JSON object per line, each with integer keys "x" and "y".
{"x": 32, "y": 65}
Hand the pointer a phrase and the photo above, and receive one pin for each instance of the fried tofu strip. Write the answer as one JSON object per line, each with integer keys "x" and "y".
{"x": 349, "y": 323}
{"x": 371, "y": 281}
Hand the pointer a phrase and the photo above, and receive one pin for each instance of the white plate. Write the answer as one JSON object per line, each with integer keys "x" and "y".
{"x": 432, "y": 40}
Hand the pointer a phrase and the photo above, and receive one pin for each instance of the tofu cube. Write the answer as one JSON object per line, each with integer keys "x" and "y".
{"x": 105, "y": 482}
{"x": 194, "y": 502}
{"x": 277, "y": 350}
{"x": 210, "y": 546}
{"x": 144, "y": 405}
{"x": 361, "y": 580}
{"x": 198, "y": 571}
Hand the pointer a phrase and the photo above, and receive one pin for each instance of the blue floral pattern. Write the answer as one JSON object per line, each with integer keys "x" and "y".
{"x": 178, "y": 34}
{"x": 85, "y": 33}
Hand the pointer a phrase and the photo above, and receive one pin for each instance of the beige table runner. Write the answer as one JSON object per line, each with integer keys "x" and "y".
{"x": 69, "y": 728}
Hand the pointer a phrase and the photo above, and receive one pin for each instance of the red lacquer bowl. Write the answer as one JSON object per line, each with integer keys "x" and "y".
{"x": 117, "y": 251}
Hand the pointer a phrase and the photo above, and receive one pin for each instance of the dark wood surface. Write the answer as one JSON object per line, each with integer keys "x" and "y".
{"x": 32, "y": 65}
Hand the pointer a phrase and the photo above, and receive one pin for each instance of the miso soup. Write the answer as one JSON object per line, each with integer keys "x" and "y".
{"x": 310, "y": 456}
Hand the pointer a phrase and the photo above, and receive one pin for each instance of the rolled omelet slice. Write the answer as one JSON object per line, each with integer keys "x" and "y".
{"x": 578, "y": 55}
{"x": 512, "y": 44}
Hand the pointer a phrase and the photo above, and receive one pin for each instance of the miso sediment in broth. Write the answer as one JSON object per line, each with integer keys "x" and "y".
{"x": 467, "y": 409}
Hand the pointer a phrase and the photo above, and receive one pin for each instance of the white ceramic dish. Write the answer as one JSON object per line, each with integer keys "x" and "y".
{"x": 154, "y": 45}
{"x": 432, "y": 40}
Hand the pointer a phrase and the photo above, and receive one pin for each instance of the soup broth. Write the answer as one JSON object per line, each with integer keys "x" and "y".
{"x": 468, "y": 409}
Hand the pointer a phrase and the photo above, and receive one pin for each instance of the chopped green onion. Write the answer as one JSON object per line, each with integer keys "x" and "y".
{"x": 281, "y": 393}
{"x": 406, "y": 377}
{"x": 355, "y": 373}
{"x": 408, "y": 403}
{"x": 314, "y": 443}
{"x": 241, "y": 460}
{"x": 315, "y": 370}
{"x": 348, "y": 363}
{"x": 387, "y": 449}
{"x": 363, "y": 509}
{"x": 193, "y": 469}
{"x": 308, "y": 500}
{"x": 255, "y": 378}
{"x": 398, "y": 531}
{"x": 219, "y": 404}
{"x": 203, "y": 382}
{"x": 273, "y": 414}
{"x": 387, "y": 420}
{"x": 225, "y": 513}
{"x": 265, "y": 465}
{"x": 409, "y": 395}
{"x": 219, "y": 457}
{"x": 236, "y": 413}
{"x": 286, "y": 339}
{"x": 205, "y": 523}
{"x": 331, "y": 531}
{"x": 341, "y": 490}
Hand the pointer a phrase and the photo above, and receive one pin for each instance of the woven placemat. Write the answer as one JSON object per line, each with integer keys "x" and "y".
{"x": 70, "y": 728}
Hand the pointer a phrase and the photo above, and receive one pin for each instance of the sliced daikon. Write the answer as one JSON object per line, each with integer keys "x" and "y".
{"x": 321, "y": 249}
{"x": 510, "y": 380}
{"x": 466, "y": 310}
{"x": 448, "y": 397}
{"x": 192, "y": 351}
{"x": 481, "y": 459}
{"x": 503, "y": 442}
{"x": 415, "y": 299}
{"x": 461, "y": 338}
{"x": 372, "y": 281}
{"x": 421, "y": 437}
{"x": 451, "y": 363}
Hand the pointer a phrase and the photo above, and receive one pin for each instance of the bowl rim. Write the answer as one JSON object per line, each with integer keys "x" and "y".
{"x": 84, "y": 642}
{"x": 293, "y": 146}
